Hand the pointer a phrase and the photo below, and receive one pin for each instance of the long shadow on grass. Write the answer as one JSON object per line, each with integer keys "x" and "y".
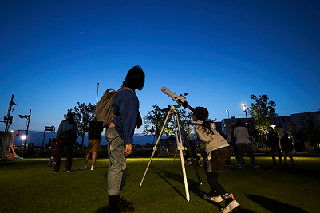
{"x": 274, "y": 205}
{"x": 192, "y": 185}
{"x": 295, "y": 170}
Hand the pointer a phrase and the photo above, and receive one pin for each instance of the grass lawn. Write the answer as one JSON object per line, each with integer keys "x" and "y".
{"x": 30, "y": 186}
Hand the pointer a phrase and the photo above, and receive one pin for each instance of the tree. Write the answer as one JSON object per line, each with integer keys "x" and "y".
{"x": 83, "y": 114}
{"x": 262, "y": 111}
{"x": 310, "y": 131}
{"x": 154, "y": 121}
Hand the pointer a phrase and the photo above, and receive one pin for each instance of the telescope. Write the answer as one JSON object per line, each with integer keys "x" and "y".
{"x": 181, "y": 100}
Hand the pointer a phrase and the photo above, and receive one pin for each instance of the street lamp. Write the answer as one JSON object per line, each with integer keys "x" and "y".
{"x": 23, "y": 138}
{"x": 245, "y": 108}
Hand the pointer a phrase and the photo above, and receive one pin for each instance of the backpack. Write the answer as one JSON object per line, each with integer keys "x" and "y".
{"x": 104, "y": 109}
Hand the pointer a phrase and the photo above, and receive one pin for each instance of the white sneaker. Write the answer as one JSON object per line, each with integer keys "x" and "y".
{"x": 93, "y": 167}
{"x": 216, "y": 199}
{"x": 233, "y": 206}
{"x": 84, "y": 167}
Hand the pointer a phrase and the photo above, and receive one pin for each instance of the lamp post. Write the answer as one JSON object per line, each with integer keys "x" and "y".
{"x": 245, "y": 109}
{"x": 23, "y": 138}
{"x": 227, "y": 112}
{"x": 97, "y": 99}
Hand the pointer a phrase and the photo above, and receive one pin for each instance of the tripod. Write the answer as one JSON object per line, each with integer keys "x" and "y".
{"x": 180, "y": 147}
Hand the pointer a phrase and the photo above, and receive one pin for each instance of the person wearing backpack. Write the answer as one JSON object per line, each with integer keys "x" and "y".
{"x": 119, "y": 135}
{"x": 66, "y": 137}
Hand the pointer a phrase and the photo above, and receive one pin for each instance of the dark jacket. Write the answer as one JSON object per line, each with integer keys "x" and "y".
{"x": 95, "y": 129}
{"x": 126, "y": 108}
{"x": 273, "y": 139}
{"x": 67, "y": 131}
{"x": 286, "y": 144}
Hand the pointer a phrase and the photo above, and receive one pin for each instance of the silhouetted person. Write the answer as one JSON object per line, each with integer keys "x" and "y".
{"x": 287, "y": 147}
{"x": 94, "y": 146}
{"x": 119, "y": 136}
{"x": 66, "y": 137}
{"x": 273, "y": 143}
{"x": 242, "y": 141}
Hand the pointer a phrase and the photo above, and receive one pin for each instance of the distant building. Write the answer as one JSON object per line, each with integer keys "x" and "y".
{"x": 282, "y": 122}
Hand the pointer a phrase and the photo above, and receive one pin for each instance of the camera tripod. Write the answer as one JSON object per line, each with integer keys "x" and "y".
{"x": 181, "y": 148}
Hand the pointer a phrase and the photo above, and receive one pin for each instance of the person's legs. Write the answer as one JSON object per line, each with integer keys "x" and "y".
{"x": 285, "y": 157}
{"x": 69, "y": 155}
{"x": 236, "y": 152}
{"x": 291, "y": 158}
{"x": 117, "y": 162}
{"x": 95, "y": 148}
{"x": 279, "y": 154}
{"x": 241, "y": 154}
{"x": 60, "y": 150}
{"x": 253, "y": 160}
{"x": 86, "y": 159}
{"x": 94, "y": 157}
{"x": 273, "y": 154}
{"x": 216, "y": 188}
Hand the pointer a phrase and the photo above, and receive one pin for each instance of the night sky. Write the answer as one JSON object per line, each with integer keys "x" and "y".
{"x": 53, "y": 54}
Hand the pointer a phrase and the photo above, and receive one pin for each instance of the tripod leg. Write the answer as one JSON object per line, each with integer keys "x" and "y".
{"x": 186, "y": 187}
{"x": 189, "y": 151}
{"x": 181, "y": 148}
{"x": 155, "y": 148}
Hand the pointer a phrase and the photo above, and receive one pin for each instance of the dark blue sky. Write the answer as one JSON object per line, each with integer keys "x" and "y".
{"x": 53, "y": 54}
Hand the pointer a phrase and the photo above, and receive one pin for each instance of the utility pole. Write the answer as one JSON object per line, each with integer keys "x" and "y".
{"x": 28, "y": 123}
{"x": 8, "y": 119}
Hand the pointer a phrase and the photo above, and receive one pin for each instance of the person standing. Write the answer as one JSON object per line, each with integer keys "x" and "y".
{"x": 287, "y": 147}
{"x": 218, "y": 153}
{"x": 66, "y": 137}
{"x": 273, "y": 143}
{"x": 242, "y": 142}
{"x": 94, "y": 146}
{"x": 119, "y": 136}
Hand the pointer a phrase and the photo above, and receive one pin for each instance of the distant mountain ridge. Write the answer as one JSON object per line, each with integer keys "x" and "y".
{"x": 36, "y": 137}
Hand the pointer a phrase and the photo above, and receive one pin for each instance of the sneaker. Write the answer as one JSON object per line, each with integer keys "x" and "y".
{"x": 93, "y": 167}
{"x": 84, "y": 167}
{"x": 216, "y": 199}
{"x": 256, "y": 166}
{"x": 233, "y": 206}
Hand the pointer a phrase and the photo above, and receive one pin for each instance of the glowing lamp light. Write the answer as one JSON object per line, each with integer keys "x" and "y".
{"x": 244, "y": 107}
{"x": 273, "y": 126}
{"x": 23, "y": 137}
